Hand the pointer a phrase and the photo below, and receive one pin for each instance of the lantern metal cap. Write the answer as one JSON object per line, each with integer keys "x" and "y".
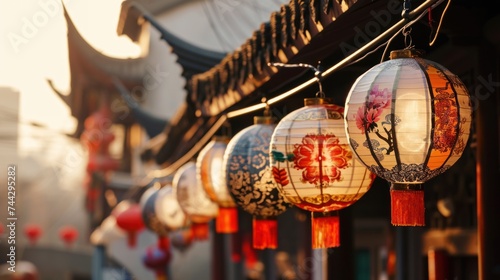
{"x": 317, "y": 101}
{"x": 263, "y": 120}
{"x": 406, "y": 53}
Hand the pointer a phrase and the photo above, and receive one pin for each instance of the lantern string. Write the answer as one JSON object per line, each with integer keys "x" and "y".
{"x": 348, "y": 60}
{"x": 318, "y": 74}
{"x": 439, "y": 24}
{"x": 402, "y": 30}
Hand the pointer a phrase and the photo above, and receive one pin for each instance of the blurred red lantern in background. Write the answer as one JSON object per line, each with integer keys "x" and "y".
{"x": 131, "y": 221}
{"x": 33, "y": 232}
{"x": 157, "y": 259}
{"x": 68, "y": 235}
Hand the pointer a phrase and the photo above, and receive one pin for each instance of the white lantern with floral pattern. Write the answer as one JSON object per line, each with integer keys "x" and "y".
{"x": 314, "y": 165}
{"x": 408, "y": 119}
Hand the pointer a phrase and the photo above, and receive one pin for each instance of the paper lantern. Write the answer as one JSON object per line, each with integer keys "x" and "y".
{"x": 97, "y": 138}
{"x": 149, "y": 215}
{"x": 68, "y": 235}
{"x": 250, "y": 181}
{"x": 209, "y": 172}
{"x": 193, "y": 200}
{"x": 314, "y": 166}
{"x": 157, "y": 259}
{"x": 167, "y": 209}
{"x": 408, "y": 119}
{"x": 130, "y": 220}
{"x": 33, "y": 232}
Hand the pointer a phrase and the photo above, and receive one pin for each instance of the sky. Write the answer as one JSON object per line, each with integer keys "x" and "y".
{"x": 33, "y": 48}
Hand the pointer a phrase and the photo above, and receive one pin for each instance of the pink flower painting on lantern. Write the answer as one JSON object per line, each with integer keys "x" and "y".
{"x": 368, "y": 116}
{"x": 325, "y": 150}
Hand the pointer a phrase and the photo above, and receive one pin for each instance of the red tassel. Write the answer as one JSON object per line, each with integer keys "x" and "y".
{"x": 200, "y": 231}
{"x": 407, "y": 206}
{"x": 325, "y": 230}
{"x": 265, "y": 233}
{"x": 236, "y": 247}
{"x": 132, "y": 238}
{"x": 227, "y": 220}
{"x": 164, "y": 243}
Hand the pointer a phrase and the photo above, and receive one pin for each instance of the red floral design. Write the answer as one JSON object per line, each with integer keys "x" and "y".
{"x": 321, "y": 157}
{"x": 446, "y": 121}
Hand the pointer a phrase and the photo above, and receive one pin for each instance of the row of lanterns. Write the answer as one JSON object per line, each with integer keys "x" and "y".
{"x": 405, "y": 120}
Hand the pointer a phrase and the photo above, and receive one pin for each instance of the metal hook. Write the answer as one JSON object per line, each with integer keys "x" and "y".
{"x": 318, "y": 74}
{"x": 267, "y": 109}
{"x": 406, "y": 9}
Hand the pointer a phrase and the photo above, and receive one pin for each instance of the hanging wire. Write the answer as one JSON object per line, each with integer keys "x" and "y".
{"x": 402, "y": 30}
{"x": 439, "y": 24}
{"x": 350, "y": 59}
{"x": 318, "y": 75}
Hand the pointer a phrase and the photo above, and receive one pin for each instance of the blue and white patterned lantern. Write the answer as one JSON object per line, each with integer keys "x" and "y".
{"x": 250, "y": 181}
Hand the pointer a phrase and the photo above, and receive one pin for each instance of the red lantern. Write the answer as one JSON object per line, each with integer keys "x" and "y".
{"x": 157, "y": 259}
{"x": 97, "y": 137}
{"x": 131, "y": 221}
{"x": 68, "y": 235}
{"x": 33, "y": 232}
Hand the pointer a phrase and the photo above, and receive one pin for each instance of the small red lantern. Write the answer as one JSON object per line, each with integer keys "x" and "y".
{"x": 131, "y": 221}
{"x": 68, "y": 235}
{"x": 33, "y": 232}
{"x": 157, "y": 259}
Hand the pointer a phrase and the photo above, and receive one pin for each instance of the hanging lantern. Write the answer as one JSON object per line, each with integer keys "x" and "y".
{"x": 194, "y": 201}
{"x": 250, "y": 181}
{"x": 157, "y": 259}
{"x": 181, "y": 239}
{"x": 314, "y": 166}
{"x": 408, "y": 119}
{"x": 130, "y": 220}
{"x": 33, "y": 232}
{"x": 209, "y": 173}
{"x": 147, "y": 203}
{"x": 97, "y": 137}
{"x": 68, "y": 235}
{"x": 167, "y": 209}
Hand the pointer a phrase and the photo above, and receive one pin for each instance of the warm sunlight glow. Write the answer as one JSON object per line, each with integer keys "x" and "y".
{"x": 34, "y": 50}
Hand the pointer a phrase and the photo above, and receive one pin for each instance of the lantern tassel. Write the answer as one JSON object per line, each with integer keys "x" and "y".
{"x": 265, "y": 233}
{"x": 132, "y": 239}
{"x": 407, "y": 205}
{"x": 227, "y": 220}
{"x": 325, "y": 229}
{"x": 200, "y": 231}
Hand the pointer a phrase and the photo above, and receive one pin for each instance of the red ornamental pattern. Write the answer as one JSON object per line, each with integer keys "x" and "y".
{"x": 446, "y": 120}
{"x": 321, "y": 148}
